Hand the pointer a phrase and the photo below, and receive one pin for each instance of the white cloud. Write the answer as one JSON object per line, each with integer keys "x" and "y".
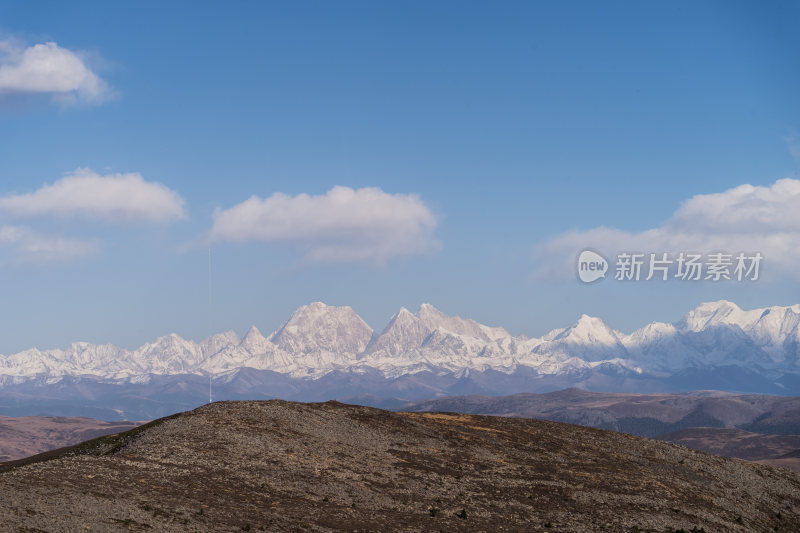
{"x": 49, "y": 69}
{"x": 113, "y": 197}
{"x": 746, "y": 218}
{"x": 344, "y": 225}
{"x": 26, "y": 246}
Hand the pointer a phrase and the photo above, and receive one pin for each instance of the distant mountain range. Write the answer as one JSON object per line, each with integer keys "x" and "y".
{"x": 324, "y": 352}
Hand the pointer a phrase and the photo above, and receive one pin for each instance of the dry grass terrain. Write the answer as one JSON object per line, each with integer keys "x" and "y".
{"x": 647, "y": 415}
{"x": 28, "y": 435}
{"x": 778, "y": 450}
{"x": 789, "y": 461}
{"x": 744, "y": 426}
{"x": 281, "y": 466}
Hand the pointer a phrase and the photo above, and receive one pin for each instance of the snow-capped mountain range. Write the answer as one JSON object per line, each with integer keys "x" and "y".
{"x": 319, "y": 339}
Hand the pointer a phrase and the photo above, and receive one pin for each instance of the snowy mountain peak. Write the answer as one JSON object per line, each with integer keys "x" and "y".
{"x": 403, "y": 316}
{"x": 769, "y": 328}
{"x": 310, "y": 312}
{"x": 173, "y": 339}
{"x": 404, "y": 331}
{"x": 220, "y": 341}
{"x": 255, "y": 343}
{"x": 229, "y": 336}
{"x": 589, "y": 329}
{"x": 719, "y": 305}
{"x": 253, "y": 332}
{"x": 434, "y": 319}
{"x": 589, "y": 339}
{"x": 654, "y": 330}
{"x": 428, "y": 310}
{"x": 323, "y": 328}
{"x": 587, "y": 321}
{"x": 314, "y": 309}
{"x": 170, "y": 354}
{"x": 659, "y": 328}
{"x": 553, "y": 333}
{"x": 711, "y": 313}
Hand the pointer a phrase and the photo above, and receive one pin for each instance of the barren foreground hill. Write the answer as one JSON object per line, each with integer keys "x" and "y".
{"x": 281, "y": 466}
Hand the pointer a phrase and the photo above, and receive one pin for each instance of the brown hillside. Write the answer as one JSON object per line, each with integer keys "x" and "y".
{"x": 282, "y": 466}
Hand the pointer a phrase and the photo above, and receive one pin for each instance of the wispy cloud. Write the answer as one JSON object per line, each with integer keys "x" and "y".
{"x": 113, "y": 197}
{"x": 344, "y": 225}
{"x": 793, "y": 144}
{"x": 746, "y": 218}
{"x": 23, "y": 245}
{"x": 47, "y": 68}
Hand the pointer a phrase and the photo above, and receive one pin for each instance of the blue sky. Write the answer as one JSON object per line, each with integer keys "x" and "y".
{"x": 507, "y": 125}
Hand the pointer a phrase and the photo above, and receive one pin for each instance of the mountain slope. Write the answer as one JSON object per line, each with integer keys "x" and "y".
{"x": 279, "y": 466}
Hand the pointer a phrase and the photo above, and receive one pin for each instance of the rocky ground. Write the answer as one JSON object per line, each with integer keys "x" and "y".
{"x": 281, "y": 466}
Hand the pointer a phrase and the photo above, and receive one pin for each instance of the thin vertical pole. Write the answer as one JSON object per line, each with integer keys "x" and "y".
{"x": 210, "y": 333}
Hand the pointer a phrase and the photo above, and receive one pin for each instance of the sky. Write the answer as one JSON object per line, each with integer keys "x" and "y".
{"x": 386, "y": 154}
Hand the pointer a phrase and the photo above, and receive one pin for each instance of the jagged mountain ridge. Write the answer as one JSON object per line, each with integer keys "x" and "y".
{"x": 319, "y": 339}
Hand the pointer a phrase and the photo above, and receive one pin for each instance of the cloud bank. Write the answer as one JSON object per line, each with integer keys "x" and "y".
{"x": 746, "y": 218}
{"x": 113, "y": 197}
{"x": 49, "y": 69}
{"x": 342, "y": 226}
